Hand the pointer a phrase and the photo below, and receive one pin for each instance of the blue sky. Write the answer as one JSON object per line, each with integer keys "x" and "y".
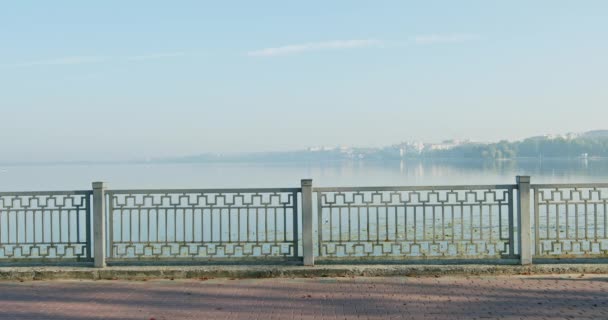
{"x": 135, "y": 79}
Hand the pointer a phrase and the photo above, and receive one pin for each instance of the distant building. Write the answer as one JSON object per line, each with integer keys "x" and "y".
{"x": 446, "y": 144}
{"x": 406, "y": 148}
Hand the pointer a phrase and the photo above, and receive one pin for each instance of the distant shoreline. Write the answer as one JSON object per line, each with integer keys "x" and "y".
{"x": 283, "y": 161}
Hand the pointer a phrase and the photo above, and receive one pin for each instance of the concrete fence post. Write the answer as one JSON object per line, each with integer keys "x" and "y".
{"x": 99, "y": 224}
{"x": 307, "y": 223}
{"x": 524, "y": 220}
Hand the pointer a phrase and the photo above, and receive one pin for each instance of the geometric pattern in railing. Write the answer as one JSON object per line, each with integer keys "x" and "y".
{"x": 416, "y": 222}
{"x": 45, "y": 225}
{"x": 211, "y": 224}
{"x": 571, "y": 220}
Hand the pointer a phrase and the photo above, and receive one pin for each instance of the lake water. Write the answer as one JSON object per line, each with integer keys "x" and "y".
{"x": 176, "y": 224}
{"x": 245, "y": 175}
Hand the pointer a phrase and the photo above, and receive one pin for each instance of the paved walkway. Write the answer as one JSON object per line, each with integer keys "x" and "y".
{"x": 505, "y": 297}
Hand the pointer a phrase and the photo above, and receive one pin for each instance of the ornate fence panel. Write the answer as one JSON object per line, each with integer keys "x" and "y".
{"x": 45, "y": 226}
{"x": 416, "y": 222}
{"x": 570, "y": 220}
{"x": 211, "y": 224}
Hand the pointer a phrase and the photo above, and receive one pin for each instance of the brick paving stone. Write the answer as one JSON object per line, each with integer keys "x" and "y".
{"x": 501, "y": 297}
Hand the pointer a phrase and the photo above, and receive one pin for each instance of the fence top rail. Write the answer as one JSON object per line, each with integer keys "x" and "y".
{"x": 417, "y": 188}
{"x": 45, "y": 193}
{"x": 569, "y": 185}
{"x": 204, "y": 191}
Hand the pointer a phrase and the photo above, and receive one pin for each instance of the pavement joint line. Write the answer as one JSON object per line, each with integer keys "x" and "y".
{"x": 257, "y": 271}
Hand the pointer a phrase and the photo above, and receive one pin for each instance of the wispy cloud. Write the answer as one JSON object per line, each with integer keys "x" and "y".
{"x": 79, "y": 60}
{"x": 314, "y": 46}
{"x": 351, "y": 44}
{"x": 444, "y": 38}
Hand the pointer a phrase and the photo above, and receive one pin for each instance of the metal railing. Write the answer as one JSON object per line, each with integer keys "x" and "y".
{"x": 416, "y": 222}
{"x": 209, "y": 223}
{"x": 45, "y": 226}
{"x": 570, "y": 220}
{"x": 468, "y": 222}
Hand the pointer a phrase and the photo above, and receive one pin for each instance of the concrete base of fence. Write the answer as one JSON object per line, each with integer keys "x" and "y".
{"x": 206, "y": 272}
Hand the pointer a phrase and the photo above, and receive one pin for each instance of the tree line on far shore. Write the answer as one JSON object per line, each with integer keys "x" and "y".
{"x": 592, "y": 144}
{"x": 532, "y": 148}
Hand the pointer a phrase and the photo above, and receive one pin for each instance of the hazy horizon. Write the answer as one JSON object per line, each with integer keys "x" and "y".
{"x": 144, "y": 79}
{"x": 177, "y": 158}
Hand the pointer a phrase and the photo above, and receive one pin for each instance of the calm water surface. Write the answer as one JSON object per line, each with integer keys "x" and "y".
{"x": 241, "y": 175}
{"x": 246, "y": 175}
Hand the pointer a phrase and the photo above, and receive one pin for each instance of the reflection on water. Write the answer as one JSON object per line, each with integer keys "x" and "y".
{"x": 240, "y": 175}
{"x": 435, "y": 227}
